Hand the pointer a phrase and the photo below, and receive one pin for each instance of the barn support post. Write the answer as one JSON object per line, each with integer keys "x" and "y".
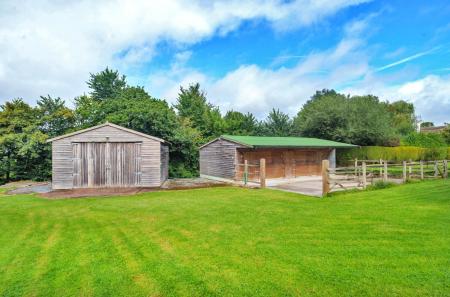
{"x": 421, "y": 170}
{"x": 245, "y": 172}
{"x": 385, "y": 173}
{"x": 364, "y": 176}
{"x": 325, "y": 177}
{"x": 404, "y": 171}
{"x": 262, "y": 172}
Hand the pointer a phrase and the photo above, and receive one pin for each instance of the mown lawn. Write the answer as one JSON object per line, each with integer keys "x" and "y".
{"x": 230, "y": 242}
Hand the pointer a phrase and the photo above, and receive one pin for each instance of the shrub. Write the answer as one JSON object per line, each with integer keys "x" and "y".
{"x": 396, "y": 154}
{"x": 378, "y": 185}
{"x": 424, "y": 140}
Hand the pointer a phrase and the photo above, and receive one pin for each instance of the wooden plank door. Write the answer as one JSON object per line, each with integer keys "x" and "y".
{"x": 106, "y": 164}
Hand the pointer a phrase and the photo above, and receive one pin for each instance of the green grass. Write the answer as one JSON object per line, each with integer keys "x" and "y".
{"x": 229, "y": 242}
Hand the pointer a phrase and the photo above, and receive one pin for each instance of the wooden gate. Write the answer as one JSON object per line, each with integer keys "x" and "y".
{"x": 105, "y": 164}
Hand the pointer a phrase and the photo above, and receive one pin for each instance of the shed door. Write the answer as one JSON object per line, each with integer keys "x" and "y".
{"x": 104, "y": 164}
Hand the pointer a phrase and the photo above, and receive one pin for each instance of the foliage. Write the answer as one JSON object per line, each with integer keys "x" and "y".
{"x": 446, "y": 134}
{"x": 399, "y": 153}
{"x": 229, "y": 241}
{"x": 424, "y": 140}
{"x": 362, "y": 120}
{"x": 277, "y": 123}
{"x": 403, "y": 117}
{"x": 106, "y": 85}
{"x": 380, "y": 184}
{"x": 237, "y": 123}
{"x": 426, "y": 124}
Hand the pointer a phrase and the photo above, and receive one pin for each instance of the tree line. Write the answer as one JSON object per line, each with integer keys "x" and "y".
{"x": 187, "y": 124}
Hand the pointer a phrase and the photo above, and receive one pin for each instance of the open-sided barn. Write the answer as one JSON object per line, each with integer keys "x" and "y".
{"x": 108, "y": 155}
{"x": 285, "y": 156}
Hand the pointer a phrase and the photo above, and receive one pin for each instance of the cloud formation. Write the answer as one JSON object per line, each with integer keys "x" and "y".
{"x": 51, "y": 46}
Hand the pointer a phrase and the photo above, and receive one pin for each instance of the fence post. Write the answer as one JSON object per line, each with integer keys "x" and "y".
{"x": 356, "y": 167}
{"x": 325, "y": 177}
{"x": 262, "y": 172}
{"x": 245, "y": 172}
{"x": 385, "y": 173}
{"x": 381, "y": 168}
{"x": 445, "y": 168}
{"x": 421, "y": 170}
{"x": 436, "y": 169}
{"x": 404, "y": 172}
{"x": 410, "y": 167}
{"x": 364, "y": 176}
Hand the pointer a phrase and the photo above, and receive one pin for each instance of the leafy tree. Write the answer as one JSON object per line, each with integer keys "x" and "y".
{"x": 237, "y": 123}
{"x": 403, "y": 117}
{"x": 446, "y": 134}
{"x": 54, "y": 118}
{"x": 193, "y": 106}
{"x": 106, "y": 84}
{"x": 323, "y": 116}
{"x": 362, "y": 120}
{"x": 277, "y": 123}
{"x": 426, "y": 124}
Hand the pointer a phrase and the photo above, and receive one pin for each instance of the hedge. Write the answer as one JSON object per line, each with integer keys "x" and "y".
{"x": 397, "y": 153}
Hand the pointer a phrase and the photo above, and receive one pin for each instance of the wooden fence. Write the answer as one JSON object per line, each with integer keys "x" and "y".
{"x": 367, "y": 172}
{"x": 251, "y": 173}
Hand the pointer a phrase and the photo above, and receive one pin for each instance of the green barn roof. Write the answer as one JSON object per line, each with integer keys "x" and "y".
{"x": 263, "y": 141}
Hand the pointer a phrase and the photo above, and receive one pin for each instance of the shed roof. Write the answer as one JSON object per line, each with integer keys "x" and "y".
{"x": 104, "y": 125}
{"x": 297, "y": 142}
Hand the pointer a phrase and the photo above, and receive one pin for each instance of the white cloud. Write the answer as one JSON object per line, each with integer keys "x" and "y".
{"x": 51, "y": 46}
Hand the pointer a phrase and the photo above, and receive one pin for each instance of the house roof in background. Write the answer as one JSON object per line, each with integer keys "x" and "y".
{"x": 294, "y": 142}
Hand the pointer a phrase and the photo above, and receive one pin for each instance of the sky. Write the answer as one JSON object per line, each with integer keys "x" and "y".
{"x": 249, "y": 56}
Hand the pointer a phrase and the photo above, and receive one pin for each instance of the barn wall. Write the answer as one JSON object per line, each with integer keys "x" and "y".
{"x": 62, "y": 166}
{"x": 218, "y": 158}
{"x": 286, "y": 163}
{"x": 164, "y": 162}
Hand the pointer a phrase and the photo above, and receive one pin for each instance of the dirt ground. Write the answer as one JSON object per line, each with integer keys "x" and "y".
{"x": 44, "y": 188}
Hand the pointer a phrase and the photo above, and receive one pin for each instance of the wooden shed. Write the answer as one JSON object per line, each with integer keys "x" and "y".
{"x": 108, "y": 155}
{"x": 286, "y": 157}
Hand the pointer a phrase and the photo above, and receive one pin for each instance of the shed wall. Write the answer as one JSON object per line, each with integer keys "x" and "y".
{"x": 164, "y": 162}
{"x": 62, "y": 159}
{"x": 218, "y": 158}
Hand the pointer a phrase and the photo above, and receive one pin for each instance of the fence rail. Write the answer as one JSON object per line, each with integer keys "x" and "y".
{"x": 255, "y": 173}
{"x": 367, "y": 172}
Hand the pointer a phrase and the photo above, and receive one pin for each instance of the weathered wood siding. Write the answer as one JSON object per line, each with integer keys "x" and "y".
{"x": 218, "y": 159}
{"x": 164, "y": 162}
{"x": 62, "y": 155}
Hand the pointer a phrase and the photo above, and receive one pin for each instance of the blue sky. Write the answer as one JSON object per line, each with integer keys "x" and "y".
{"x": 248, "y": 56}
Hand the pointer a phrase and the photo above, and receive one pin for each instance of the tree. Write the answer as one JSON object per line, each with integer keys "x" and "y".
{"x": 106, "y": 84}
{"x": 362, "y": 120}
{"x": 277, "y": 123}
{"x": 403, "y": 117}
{"x": 323, "y": 116}
{"x": 237, "y": 123}
{"x": 54, "y": 118}
{"x": 193, "y": 106}
{"x": 426, "y": 124}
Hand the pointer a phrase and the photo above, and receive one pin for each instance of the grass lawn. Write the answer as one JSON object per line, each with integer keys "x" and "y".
{"x": 230, "y": 242}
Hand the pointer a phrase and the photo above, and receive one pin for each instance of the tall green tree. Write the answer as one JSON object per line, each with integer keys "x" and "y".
{"x": 106, "y": 84}
{"x": 237, "y": 123}
{"x": 362, "y": 120}
{"x": 192, "y": 105}
{"x": 277, "y": 123}
{"x": 403, "y": 116}
{"x": 53, "y": 116}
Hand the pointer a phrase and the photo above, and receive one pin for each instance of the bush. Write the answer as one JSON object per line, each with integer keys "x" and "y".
{"x": 378, "y": 185}
{"x": 424, "y": 140}
{"x": 396, "y": 154}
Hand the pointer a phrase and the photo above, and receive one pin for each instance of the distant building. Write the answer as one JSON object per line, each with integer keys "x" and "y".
{"x": 433, "y": 129}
